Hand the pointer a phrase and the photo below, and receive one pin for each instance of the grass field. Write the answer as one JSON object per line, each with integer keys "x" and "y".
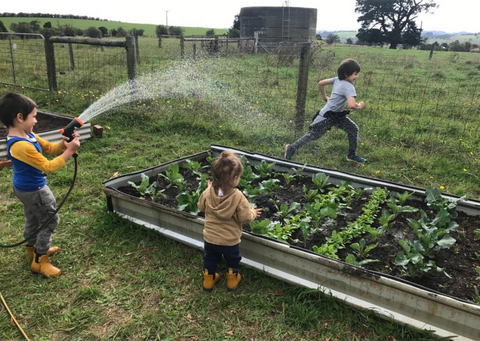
{"x": 84, "y": 24}
{"x": 123, "y": 282}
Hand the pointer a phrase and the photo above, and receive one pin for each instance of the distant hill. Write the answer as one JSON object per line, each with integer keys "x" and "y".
{"x": 432, "y": 36}
{"x": 84, "y": 24}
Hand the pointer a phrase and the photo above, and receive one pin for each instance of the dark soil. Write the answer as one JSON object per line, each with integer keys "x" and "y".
{"x": 459, "y": 261}
{"x": 45, "y": 122}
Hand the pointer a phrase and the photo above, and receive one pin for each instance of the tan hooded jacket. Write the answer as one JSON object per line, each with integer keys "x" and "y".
{"x": 224, "y": 216}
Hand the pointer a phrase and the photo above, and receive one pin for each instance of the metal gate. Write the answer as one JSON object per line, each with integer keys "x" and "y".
{"x": 22, "y": 60}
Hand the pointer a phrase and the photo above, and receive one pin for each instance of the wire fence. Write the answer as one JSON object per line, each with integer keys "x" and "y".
{"x": 418, "y": 101}
{"x": 22, "y": 60}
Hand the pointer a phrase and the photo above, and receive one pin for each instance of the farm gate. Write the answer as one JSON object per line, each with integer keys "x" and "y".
{"x": 22, "y": 60}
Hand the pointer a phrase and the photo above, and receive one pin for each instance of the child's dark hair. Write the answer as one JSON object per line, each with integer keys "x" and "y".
{"x": 11, "y": 104}
{"x": 347, "y": 68}
{"x": 225, "y": 169}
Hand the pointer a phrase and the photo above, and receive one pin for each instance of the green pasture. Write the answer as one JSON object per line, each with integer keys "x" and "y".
{"x": 84, "y": 24}
{"x": 124, "y": 282}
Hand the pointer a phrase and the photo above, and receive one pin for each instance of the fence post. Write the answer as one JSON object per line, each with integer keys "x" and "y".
{"x": 303, "y": 69}
{"x": 50, "y": 58}
{"x": 255, "y": 48}
{"x": 159, "y": 41}
{"x": 215, "y": 48}
{"x": 182, "y": 46}
{"x": 131, "y": 65}
{"x": 72, "y": 60}
{"x": 136, "y": 45}
{"x": 194, "y": 51}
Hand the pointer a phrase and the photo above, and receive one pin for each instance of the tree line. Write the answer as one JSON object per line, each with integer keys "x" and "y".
{"x": 69, "y": 31}
{"x": 48, "y": 15}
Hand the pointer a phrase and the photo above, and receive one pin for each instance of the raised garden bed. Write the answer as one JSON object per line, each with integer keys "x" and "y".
{"x": 48, "y": 127}
{"x": 438, "y": 295}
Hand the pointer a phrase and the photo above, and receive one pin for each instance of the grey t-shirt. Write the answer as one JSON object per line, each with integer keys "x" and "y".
{"x": 341, "y": 91}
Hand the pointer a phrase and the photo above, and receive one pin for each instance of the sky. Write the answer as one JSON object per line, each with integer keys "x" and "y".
{"x": 332, "y": 15}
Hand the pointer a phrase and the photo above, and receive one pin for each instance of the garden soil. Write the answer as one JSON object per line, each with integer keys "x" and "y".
{"x": 459, "y": 261}
{"x": 45, "y": 122}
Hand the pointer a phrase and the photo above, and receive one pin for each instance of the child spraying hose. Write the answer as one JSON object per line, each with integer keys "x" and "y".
{"x": 30, "y": 167}
{"x": 226, "y": 208}
{"x": 332, "y": 114}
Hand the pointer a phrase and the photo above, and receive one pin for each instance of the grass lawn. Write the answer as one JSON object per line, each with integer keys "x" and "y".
{"x": 124, "y": 282}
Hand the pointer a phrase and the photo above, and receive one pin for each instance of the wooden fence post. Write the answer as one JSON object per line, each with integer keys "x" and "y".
{"x": 303, "y": 69}
{"x": 160, "y": 41}
{"x": 50, "y": 58}
{"x": 194, "y": 51}
{"x": 136, "y": 45}
{"x": 255, "y": 48}
{"x": 131, "y": 64}
{"x": 431, "y": 52}
{"x": 182, "y": 46}
{"x": 72, "y": 60}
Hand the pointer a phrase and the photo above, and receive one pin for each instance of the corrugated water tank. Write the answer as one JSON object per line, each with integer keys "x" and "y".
{"x": 279, "y": 24}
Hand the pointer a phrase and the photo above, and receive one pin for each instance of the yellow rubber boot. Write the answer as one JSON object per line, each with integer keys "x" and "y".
{"x": 51, "y": 251}
{"x": 233, "y": 279}
{"x": 41, "y": 265}
{"x": 209, "y": 280}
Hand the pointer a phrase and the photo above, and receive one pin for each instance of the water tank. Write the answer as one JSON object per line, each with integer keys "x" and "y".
{"x": 279, "y": 24}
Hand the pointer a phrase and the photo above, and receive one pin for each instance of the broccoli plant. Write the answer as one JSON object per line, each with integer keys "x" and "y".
{"x": 173, "y": 176}
{"x": 145, "y": 188}
{"x": 320, "y": 180}
{"x": 362, "y": 248}
{"x": 265, "y": 169}
{"x": 413, "y": 260}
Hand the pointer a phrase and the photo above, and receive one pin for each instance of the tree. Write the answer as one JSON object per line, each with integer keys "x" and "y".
{"x": 35, "y": 26}
{"x": 393, "y": 18}
{"x": 318, "y": 36}
{"x": 48, "y": 24}
{"x": 67, "y": 30}
{"x": 175, "y": 30}
{"x": 121, "y": 32}
{"x": 373, "y": 36}
{"x": 210, "y": 33}
{"x": 113, "y": 32}
{"x": 104, "y": 31}
{"x": 161, "y": 30}
{"x": 234, "y": 31}
{"x": 94, "y": 32}
{"x": 2, "y": 27}
{"x": 333, "y": 38}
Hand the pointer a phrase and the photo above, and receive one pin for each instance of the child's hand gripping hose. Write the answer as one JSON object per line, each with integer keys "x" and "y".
{"x": 70, "y": 128}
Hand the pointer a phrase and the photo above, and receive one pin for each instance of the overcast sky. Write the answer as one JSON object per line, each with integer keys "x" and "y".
{"x": 452, "y": 16}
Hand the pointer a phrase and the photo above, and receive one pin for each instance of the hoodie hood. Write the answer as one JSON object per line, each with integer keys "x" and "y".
{"x": 223, "y": 207}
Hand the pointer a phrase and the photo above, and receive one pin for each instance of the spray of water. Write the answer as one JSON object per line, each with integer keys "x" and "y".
{"x": 186, "y": 79}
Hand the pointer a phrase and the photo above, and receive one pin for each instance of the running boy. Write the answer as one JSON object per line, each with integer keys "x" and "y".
{"x": 331, "y": 115}
{"x": 30, "y": 167}
{"x": 226, "y": 208}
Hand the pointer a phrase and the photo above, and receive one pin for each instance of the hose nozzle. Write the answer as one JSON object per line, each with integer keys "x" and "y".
{"x": 70, "y": 128}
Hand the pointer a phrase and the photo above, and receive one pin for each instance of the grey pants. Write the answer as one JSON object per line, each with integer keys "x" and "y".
{"x": 316, "y": 131}
{"x": 38, "y": 206}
